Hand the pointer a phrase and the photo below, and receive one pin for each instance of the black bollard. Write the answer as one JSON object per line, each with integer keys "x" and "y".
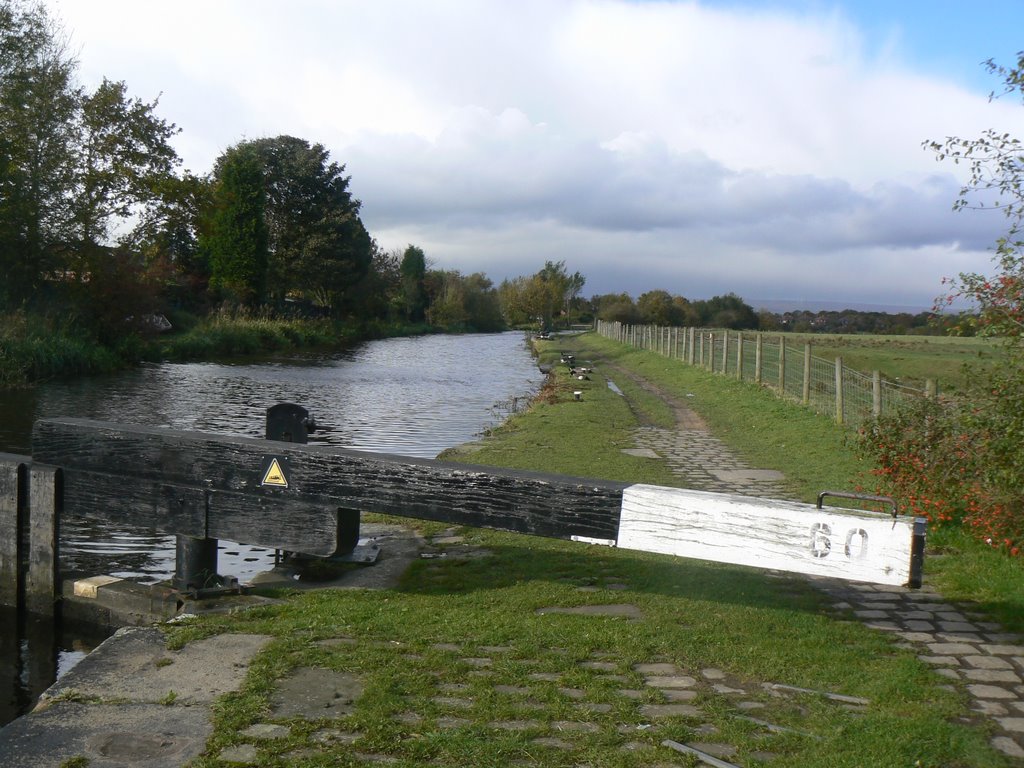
{"x": 289, "y": 423}
{"x": 195, "y": 564}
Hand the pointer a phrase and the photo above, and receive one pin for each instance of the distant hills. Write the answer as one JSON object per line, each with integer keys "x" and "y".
{"x": 801, "y": 305}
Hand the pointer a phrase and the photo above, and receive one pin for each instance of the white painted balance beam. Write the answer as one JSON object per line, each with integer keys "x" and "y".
{"x": 776, "y": 535}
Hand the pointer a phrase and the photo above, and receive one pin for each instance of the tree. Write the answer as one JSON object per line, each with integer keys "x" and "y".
{"x": 658, "y": 308}
{"x": 463, "y": 303}
{"x": 167, "y": 236}
{"x": 124, "y": 157}
{"x": 558, "y": 288}
{"x": 317, "y": 246}
{"x": 380, "y": 290}
{"x": 237, "y": 238}
{"x": 483, "y": 309}
{"x": 615, "y": 308}
{"x": 996, "y": 164}
{"x": 728, "y": 311}
{"x": 413, "y": 270}
{"x": 957, "y": 460}
{"x": 38, "y": 103}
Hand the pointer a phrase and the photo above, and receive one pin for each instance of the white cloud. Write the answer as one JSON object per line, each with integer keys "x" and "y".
{"x": 674, "y": 145}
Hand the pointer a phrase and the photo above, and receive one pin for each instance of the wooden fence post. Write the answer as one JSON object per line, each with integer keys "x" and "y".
{"x": 44, "y": 507}
{"x": 690, "y": 341}
{"x": 876, "y": 393}
{"x": 739, "y": 355}
{"x": 711, "y": 352}
{"x": 725, "y": 352}
{"x": 807, "y": 374}
{"x": 782, "y": 365}
{"x": 758, "y": 357}
{"x": 840, "y": 405}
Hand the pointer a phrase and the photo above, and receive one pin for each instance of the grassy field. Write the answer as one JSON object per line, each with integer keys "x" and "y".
{"x": 906, "y": 359}
{"x": 429, "y": 699}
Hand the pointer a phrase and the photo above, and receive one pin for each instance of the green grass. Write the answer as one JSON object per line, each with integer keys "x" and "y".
{"x": 409, "y": 647}
{"x": 815, "y": 455}
{"x": 908, "y": 360}
{"x": 587, "y": 437}
{"x": 34, "y": 348}
{"x": 582, "y": 438}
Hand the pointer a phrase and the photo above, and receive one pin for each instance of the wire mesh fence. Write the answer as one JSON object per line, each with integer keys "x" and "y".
{"x": 826, "y": 386}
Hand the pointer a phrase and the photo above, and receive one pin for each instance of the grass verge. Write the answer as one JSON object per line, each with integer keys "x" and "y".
{"x": 468, "y": 648}
{"x": 469, "y": 645}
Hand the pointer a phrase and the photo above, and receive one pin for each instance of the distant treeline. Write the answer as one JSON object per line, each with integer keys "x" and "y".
{"x": 730, "y": 311}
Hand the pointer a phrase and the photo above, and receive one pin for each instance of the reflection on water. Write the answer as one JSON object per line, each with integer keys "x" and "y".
{"x": 412, "y": 396}
{"x": 33, "y": 655}
{"x": 415, "y": 396}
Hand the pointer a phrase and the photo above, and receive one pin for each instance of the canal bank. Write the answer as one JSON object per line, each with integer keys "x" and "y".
{"x": 497, "y": 649}
{"x": 410, "y": 396}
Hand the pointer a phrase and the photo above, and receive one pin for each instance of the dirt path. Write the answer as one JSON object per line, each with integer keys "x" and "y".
{"x": 698, "y": 458}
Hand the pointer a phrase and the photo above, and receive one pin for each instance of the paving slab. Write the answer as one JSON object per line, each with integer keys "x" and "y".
{"x": 135, "y": 665}
{"x": 131, "y": 702}
{"x": 314, "y": 693}
{"x": 108, "y": 736}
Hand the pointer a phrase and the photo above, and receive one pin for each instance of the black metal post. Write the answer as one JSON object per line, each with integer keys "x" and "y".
{"x": 195, "y": 563}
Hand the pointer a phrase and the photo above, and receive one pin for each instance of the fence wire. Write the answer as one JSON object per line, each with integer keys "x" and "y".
{"x": 826, "y": 386}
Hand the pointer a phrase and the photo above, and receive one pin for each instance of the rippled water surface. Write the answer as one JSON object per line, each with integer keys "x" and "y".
{"x": 412, "y": 396}
{"x": 415, "y": 396}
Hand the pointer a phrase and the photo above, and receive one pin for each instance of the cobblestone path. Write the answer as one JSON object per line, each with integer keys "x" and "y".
{"x": 974, "y": 654}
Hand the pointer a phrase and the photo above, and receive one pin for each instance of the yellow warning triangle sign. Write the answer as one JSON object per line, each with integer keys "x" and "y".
{"x": 275, "y": 475}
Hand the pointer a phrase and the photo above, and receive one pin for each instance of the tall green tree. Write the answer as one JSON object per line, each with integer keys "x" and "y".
{"x": 237, "y": 239}
{"x": 380, "y": 291}
{"x": 658, "y": 308}
{"x": 38, "y": 103}
{"x": 559, "y": 288}
{"x": 728, "y": 311}
{"x": 124, "y": 157}
{"x": 413, "y": 270}
{"x": 317, "y": 246}
{"x": 616, "y": 307}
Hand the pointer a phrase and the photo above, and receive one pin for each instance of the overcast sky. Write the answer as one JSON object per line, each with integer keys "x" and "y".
{"x": 771, "y": 149}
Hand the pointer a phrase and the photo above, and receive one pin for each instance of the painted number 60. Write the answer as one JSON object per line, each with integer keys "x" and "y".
{"x": 856, "y": 545}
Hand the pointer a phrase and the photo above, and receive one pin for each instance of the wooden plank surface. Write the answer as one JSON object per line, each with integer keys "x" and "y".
{"x": 523, "y": 502}
{"x": 12, "y": 475}
{"x": 276, "y": 523}
{"x": 143, "y": 502}
{"x": 44, "y": 509}
{"x": 786, "y": 536}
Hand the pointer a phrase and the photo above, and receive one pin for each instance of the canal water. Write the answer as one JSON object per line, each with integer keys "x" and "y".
{"x": 414, "y": 396}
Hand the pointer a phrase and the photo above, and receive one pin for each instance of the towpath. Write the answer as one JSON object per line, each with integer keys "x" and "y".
{"x": 975, "y": 654}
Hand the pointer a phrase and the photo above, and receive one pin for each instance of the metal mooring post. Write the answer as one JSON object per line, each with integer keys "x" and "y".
{"x": 195, "y": 563}
{"x": 289, "y": 423}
